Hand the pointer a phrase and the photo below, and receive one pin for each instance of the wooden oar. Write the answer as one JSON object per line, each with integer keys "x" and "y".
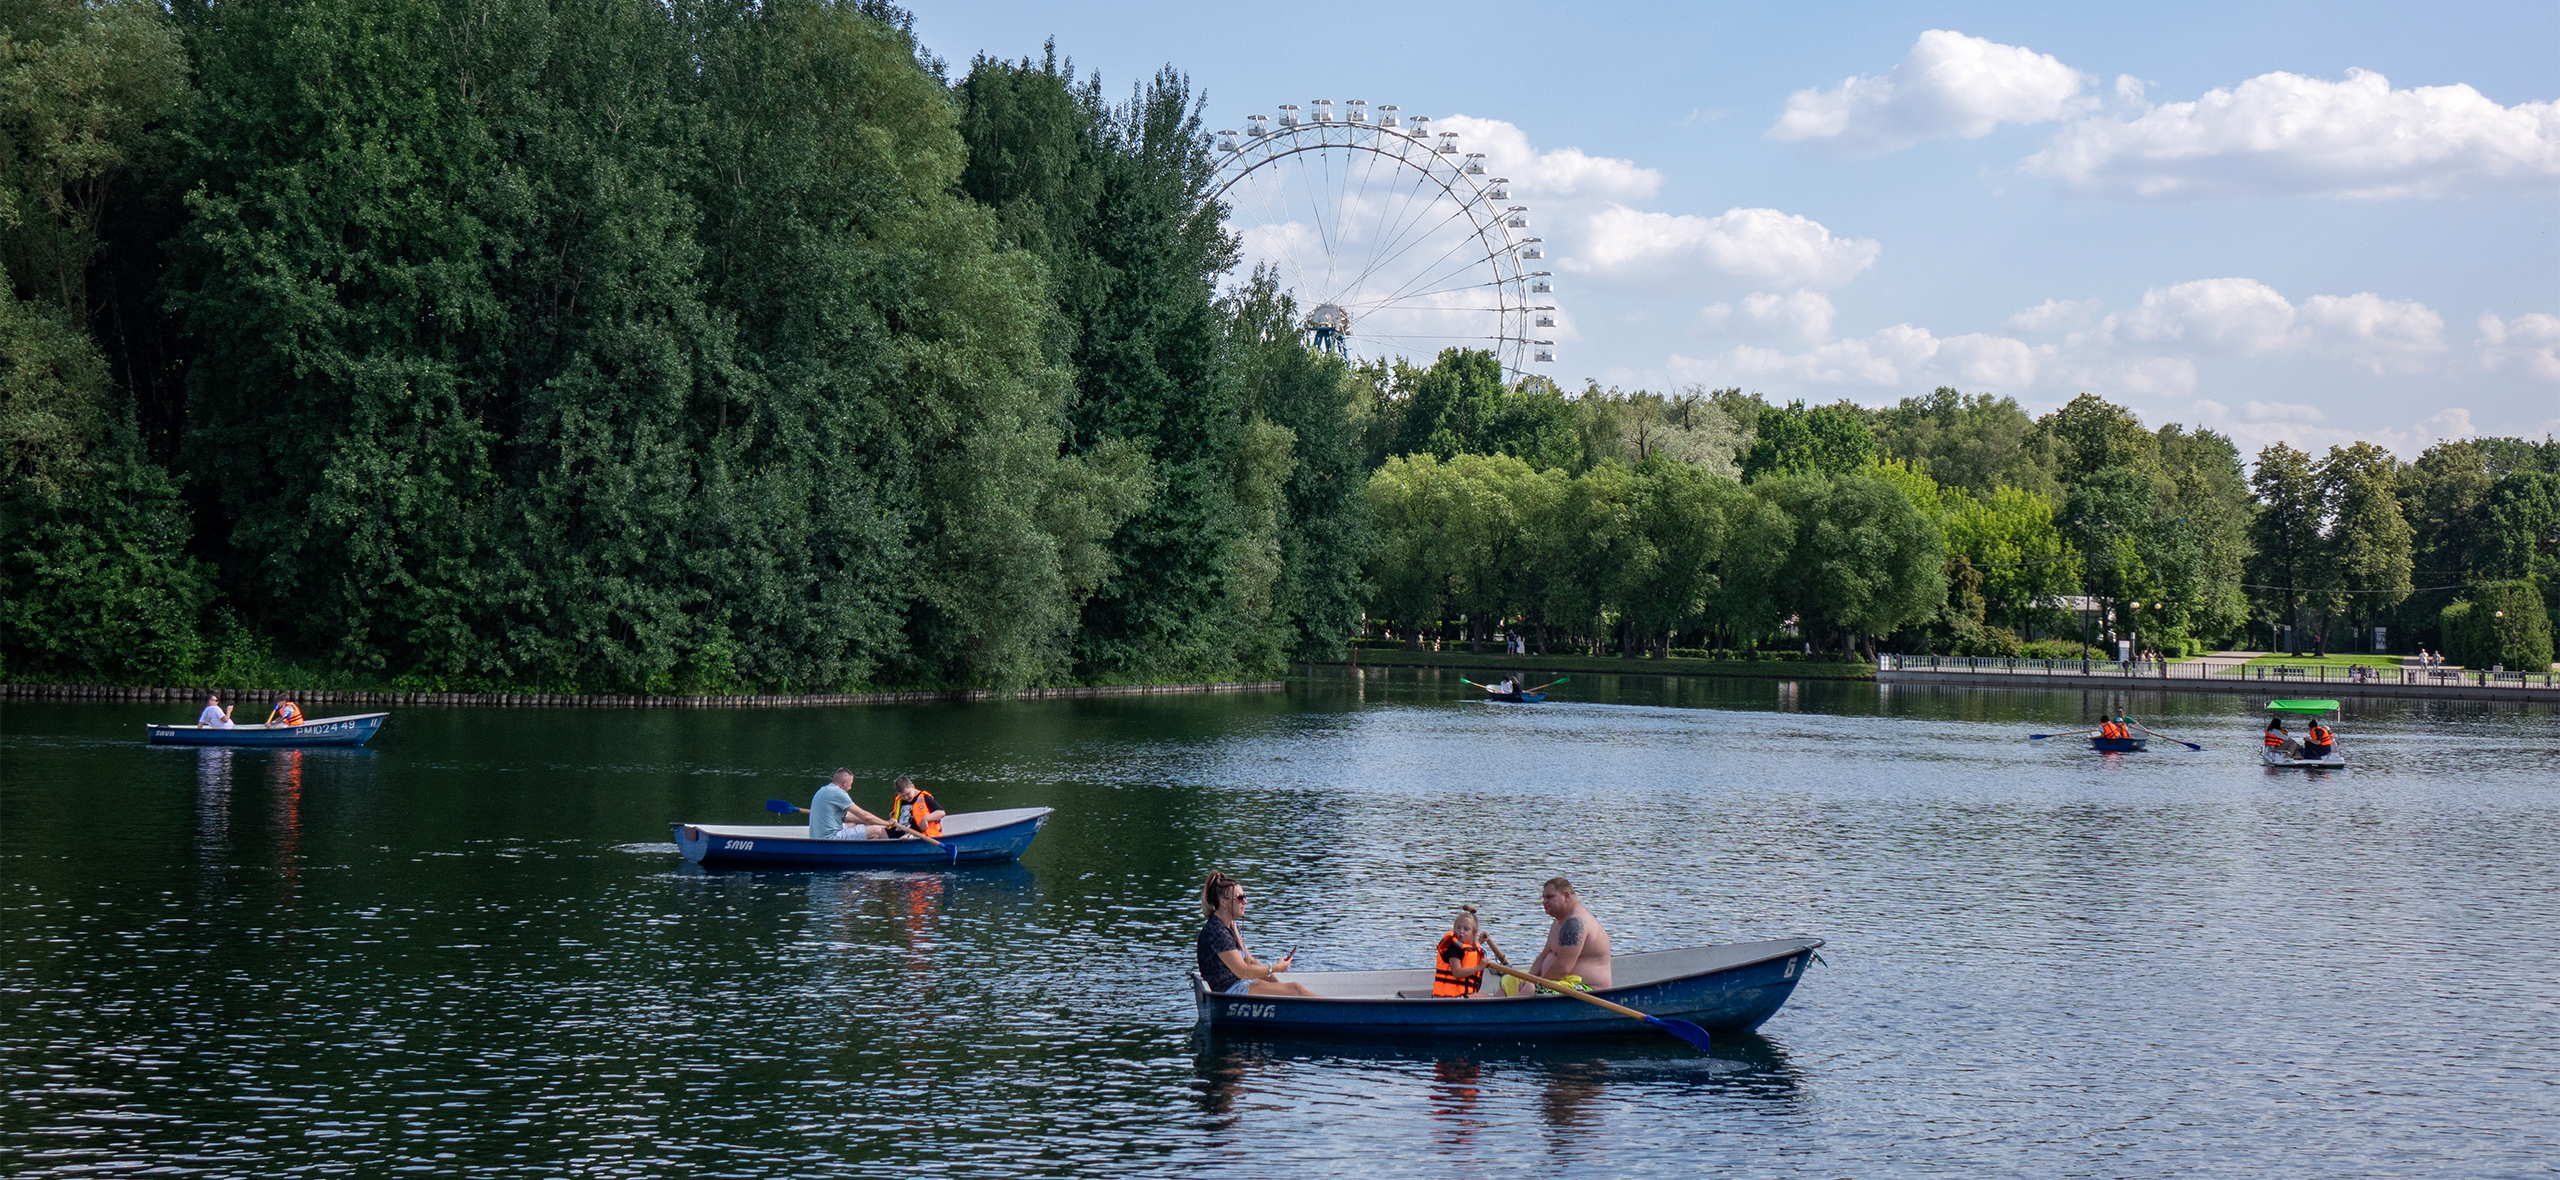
{"x": 1679, "y": 1028}
{"x": 784, "y": 807}
{"x": 2037, "y": 737}
{"x": 1550, "y": 684}
{"x": 2165, "y": 737}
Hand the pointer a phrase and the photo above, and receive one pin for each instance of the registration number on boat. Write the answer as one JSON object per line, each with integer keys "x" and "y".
{"x": 1254, "y": 1011}
{"x": 739, "y": 845}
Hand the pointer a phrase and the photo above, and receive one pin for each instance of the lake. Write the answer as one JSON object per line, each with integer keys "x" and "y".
{"x": 469, "y": 950}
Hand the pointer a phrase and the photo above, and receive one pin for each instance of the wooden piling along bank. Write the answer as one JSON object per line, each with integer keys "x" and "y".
{"x": 312, "y": 700}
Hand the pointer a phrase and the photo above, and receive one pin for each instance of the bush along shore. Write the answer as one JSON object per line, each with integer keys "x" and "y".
{"x": 336, "y": 698}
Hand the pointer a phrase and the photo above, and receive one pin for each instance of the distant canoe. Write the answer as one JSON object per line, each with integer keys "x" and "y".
{"x": 1517, "y": 698}
{"x": 352, "y": 730}
{"x": 2122, "y": 745}
{"x": 1731, "y": 988}
{"x": 968, "y": 838}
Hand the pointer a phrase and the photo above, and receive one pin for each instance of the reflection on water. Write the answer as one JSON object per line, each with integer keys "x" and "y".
{"x": 470, "y": 951}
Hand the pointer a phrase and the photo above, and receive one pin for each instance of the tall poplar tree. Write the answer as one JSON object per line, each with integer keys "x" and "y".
{"x": 2286, "y": 534}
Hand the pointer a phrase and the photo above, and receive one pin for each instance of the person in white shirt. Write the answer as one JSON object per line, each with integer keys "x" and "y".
{"x": 214, "y": 715}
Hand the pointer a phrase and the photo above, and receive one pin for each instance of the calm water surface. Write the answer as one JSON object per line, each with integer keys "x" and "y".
{"x": 469, "y": 951}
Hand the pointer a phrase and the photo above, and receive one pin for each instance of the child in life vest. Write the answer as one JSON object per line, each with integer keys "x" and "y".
{"x": 1458, "y": 969}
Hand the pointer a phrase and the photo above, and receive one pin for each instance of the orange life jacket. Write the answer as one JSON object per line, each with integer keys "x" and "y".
{"x": 1446, "y": 982}
{"x": 2320, "y": 735}
{"x": 2275, "y": 739}
{"x": 913, "y": 813}
{"x": 288, "y": 713}
{"x": 2110, "y": 729}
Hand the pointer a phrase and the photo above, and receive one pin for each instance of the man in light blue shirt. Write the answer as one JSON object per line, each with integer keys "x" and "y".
{"x": 833, "y": 803}
{"x": 214, "y": 715}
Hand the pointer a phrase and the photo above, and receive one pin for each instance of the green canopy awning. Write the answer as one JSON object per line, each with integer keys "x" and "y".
{"x": 2312, "y": 707}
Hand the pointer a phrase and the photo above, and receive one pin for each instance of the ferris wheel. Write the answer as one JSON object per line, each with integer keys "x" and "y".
{"x": 1393, "y": 238}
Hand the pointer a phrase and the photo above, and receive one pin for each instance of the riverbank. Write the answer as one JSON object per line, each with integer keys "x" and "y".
{"x": 1497, "y": 662}
{"x": 313, "y": 700}
{"x": 2450, "y": 689}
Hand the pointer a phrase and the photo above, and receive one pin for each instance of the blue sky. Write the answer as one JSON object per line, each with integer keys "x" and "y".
{"x": 2312, "y": 223}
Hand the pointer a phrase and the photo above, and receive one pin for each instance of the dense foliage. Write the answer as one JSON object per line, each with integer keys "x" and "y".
{"x": 613, "y": 345}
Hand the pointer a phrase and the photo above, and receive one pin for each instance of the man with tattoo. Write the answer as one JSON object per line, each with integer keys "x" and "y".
{"x": 1576, "y": 944}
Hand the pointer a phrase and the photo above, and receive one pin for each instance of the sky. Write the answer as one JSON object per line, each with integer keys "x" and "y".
{"x": 2286, "y": 222}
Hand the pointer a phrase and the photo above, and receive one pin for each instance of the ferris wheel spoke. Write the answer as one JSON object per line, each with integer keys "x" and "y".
{"x": 1367, "y": 173}
{"x": 1430, "y": 272}
{"x": 1422, "y": 185}
{"x": 1426, "y": 238}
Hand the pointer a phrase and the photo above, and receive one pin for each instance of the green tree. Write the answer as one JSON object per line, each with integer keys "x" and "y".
{"x": 2368, "y": 540}
{"x": 2091, "y": 434}
{"x": 1864, "y": 561}
{"x": 2286, "y": 535}
{"x": 1974, "y": 442}
{"x": 1827, "y": 440}
{"x": 2020, "y": 557}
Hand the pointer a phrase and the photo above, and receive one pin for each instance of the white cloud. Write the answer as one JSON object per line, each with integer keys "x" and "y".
{"x": 2299, "y": 427}
{"x": 2055, "y": 315}
{"x": 1763, "y": 247}
{"x": 1949, "y": 84}
{"x": 2530, "y": 342}
{"x": 1803, "y": 317}
{"x": 1901, "y": 355}
{"x": 2244, "y": 317}
{"x": 2283, "y": 134}
{"x": 1561, "y": 175}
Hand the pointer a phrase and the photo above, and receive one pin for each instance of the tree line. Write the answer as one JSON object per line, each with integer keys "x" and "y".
{"x": 491, "y": 344}
{"x": 503, "y": 343}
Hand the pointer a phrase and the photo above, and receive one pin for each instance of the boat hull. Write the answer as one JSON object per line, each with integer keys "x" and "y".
{"x": 2275, "y": 757}
{"x": 1731, "y": 989}
{"x": 1519, "y": 698}
{"x": 352, "y": 730}
{"x": 969, "y": 838}
{"x": 2119, "y": 745}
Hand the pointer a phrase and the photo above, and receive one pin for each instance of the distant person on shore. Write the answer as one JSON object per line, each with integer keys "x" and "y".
{"x": 1225, "y": 965}
{"x": 1577, "y": 950}
{"x": 214, "y": 715}
{"x": 915, "y": 808}
{"x": 833, "y": 816}
{"x": 285, "y": 713}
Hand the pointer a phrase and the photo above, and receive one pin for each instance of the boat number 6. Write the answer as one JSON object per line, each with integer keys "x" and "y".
{"x": 740, "y": 845}
{"x": 1791, "y": 968}
{"x": 1264, "y": 1011}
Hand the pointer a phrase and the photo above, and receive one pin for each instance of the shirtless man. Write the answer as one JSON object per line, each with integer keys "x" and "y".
{"x": 1576, "y": 944}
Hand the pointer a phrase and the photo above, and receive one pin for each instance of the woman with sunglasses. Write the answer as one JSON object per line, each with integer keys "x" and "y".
{"x": 1224, "y": 963}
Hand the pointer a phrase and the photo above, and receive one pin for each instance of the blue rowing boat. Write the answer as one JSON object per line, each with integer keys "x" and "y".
{"x": 1730, "y": 988}
{"x": 968, "y": 838}
{"x": 2122, "y": 745}
{"x": 1517, "y": 698}
{"x": 352, "y": 730}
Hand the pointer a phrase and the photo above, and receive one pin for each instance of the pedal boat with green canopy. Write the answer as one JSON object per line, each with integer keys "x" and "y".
{"x": 1728, "y": 988}
{"x": 2333, "y": 760}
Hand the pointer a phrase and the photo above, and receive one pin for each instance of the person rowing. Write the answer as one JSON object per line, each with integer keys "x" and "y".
{"x": 833, "y": 814}
{"x": 286, "y": 713}
{"x": 1507, "y": 686}
{"x": 1577, "y": 950}
{"x": 1225, "y": 965}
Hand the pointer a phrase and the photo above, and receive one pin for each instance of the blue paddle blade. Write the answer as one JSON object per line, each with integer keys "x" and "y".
{"x": 778, "y": 807}
{"x": 1682, "y": 1029}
